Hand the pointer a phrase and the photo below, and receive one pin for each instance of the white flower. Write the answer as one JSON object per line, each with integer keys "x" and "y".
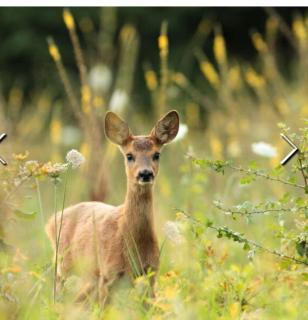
{"x": 172, "y": 232}
{"x": 264, "y": 149}
{"x": 100, "y": 78}
{"x": 75, "y": 158}
{"x": 118, "y": 100}
{"x": 183, "y": 130}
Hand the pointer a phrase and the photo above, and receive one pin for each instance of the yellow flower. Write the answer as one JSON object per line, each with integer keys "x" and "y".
{"x": 85, "y": 98}
{"x": 299, "y": 30}
{"x": 163, "y": 45}
{"x": 98, "y": 102}
{"x": 55, "y": 131}
{"x": 259, "y": 43}
{"x": 163, "y": 42}
{"x": 254, "y": 79}
{"x": 151, "y": 80}
{"x": 180, "y": 79}
{"x": 216, "y": 147}
{"x": 53, "y": 51}
{"x": 21, "y": 156}
{"x": 210, "y": 73}
{"x": 234, "y": 310}
{"x": 220, "y": 49}
{"x": 234, "y": 79}
{"x": 85, "y": 150}
{"x": 68, "y": 19}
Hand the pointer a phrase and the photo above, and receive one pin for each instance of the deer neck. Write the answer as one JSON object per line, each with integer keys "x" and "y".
{"x": 138, "y": 212}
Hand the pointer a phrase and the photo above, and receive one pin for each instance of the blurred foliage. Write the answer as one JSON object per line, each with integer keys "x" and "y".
{"x": 25, "y": 63}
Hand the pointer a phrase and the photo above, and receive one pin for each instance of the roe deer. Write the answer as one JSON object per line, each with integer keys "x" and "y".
{"x": 102, "y": 242}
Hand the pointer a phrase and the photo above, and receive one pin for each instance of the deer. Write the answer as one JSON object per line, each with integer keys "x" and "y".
{"x": 104, "y": 243}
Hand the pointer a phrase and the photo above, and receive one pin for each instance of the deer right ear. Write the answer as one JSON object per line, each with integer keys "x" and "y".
{"x": 116, "y": 129}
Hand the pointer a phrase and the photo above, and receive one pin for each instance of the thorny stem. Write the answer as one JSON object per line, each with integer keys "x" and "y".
{"x": 250, "y": 213}
{"x": 251, "y": 242}
{"x": 266, "y": 176}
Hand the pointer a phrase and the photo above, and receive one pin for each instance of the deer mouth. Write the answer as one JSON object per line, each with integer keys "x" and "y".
{"x": 145, "y": 181}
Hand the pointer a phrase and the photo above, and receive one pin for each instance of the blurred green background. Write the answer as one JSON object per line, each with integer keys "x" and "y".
{"x": 25, "y": 62}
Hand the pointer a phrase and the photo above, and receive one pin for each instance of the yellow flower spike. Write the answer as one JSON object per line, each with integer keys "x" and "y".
{"x": 180, "y": 79}
{"x": 163, "y": 42}
{"x": 299, "y": 30}
{"x": 98, "y": 102}
{"x": 210, "y": 73}
{"x": 85, "y": 150}
{"x": 216, "y": 147}
{"x": 259, "y": 43}
{"x": 86, "y": 98}
{"x": 55, "y": 131}
{"x": 53, "y": 51}
{"x": 254, "y": 79}
{"x": 234, "y": 77}
{"x": 151, "y": 80}
{"x": 68, "y": 19}
{"x": 220, "y": 49}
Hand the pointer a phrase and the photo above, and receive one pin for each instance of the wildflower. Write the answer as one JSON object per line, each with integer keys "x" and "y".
{"x": 183, "y": 129}
{"x": 251, "y": 254}
{"x": 75, "y": 158}
{"x": 86, "y": 98}
{"x": 55, "y": 131}
{"x": 220, "y": 49}
{"x": 259, "y": 43}
{"x": 254, "y": 79}
{"x": 53, "y": 51}
{"x": 68, "y": 19}
{"x": 100, "y": 78}
{"x": 210, "y": 73}
{"x": 151, "y": 79}
{"x": 31, "y": 167}
{"x": 264, "y": 149}
{"x": 118, "y": 100}
{"x": 21, "y": 156}
{"x": 172, "y": 232}
{"x": 53, "y": 170}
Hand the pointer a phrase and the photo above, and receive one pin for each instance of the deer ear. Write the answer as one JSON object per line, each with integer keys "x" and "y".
{"x": 166, "y": 128}
{"x": 116, "y": 129}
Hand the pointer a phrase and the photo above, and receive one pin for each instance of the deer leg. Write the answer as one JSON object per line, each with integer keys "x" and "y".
{"x": 103, "y": 290}
{"x": 86, "y": 292}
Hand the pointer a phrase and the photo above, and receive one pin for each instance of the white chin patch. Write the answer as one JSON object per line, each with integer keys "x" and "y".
{"x": 143, "y": 183}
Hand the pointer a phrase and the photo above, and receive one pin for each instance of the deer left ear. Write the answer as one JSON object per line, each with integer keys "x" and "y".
{"x": 167, "y": 127}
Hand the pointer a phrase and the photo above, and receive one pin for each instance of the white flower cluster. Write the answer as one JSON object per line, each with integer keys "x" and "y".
{"x": 264, "y": 149}
{"x": 172, "y": 232}
{"x": 75, "y": 158}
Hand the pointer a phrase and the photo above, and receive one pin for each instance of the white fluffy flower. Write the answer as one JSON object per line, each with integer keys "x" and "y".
{"x": 119, "y": 100}
{"x": 75, "y": 158}
{"x": 183, "y": 130}
{"x": 100, "y": 78}
{"x": 172, "y": 232}
{"x": 264, "y": 149}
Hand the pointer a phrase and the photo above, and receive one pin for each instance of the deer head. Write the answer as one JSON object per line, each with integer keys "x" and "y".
{"x": 141, "y": 153}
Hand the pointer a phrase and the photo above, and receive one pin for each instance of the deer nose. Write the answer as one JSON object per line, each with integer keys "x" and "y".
{"x": 145, "y": 175}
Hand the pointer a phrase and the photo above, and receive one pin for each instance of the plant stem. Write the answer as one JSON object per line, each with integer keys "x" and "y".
{"x": 56, "y": 232}
{"x": 39, "y": 196}
{"x": 60, "y": 227}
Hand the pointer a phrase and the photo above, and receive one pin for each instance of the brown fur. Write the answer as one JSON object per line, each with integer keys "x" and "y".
{"x": 98, "y": 240}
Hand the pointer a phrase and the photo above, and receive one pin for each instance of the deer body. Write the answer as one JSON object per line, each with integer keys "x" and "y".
{"x": 101, "y": 242}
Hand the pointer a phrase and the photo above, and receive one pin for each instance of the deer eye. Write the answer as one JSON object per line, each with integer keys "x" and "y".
{"x": 156, "y": 156}
{"x": 130, "y": 157}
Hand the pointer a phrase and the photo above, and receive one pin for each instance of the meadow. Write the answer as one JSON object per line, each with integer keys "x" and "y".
{"x": 232, "y": 222}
